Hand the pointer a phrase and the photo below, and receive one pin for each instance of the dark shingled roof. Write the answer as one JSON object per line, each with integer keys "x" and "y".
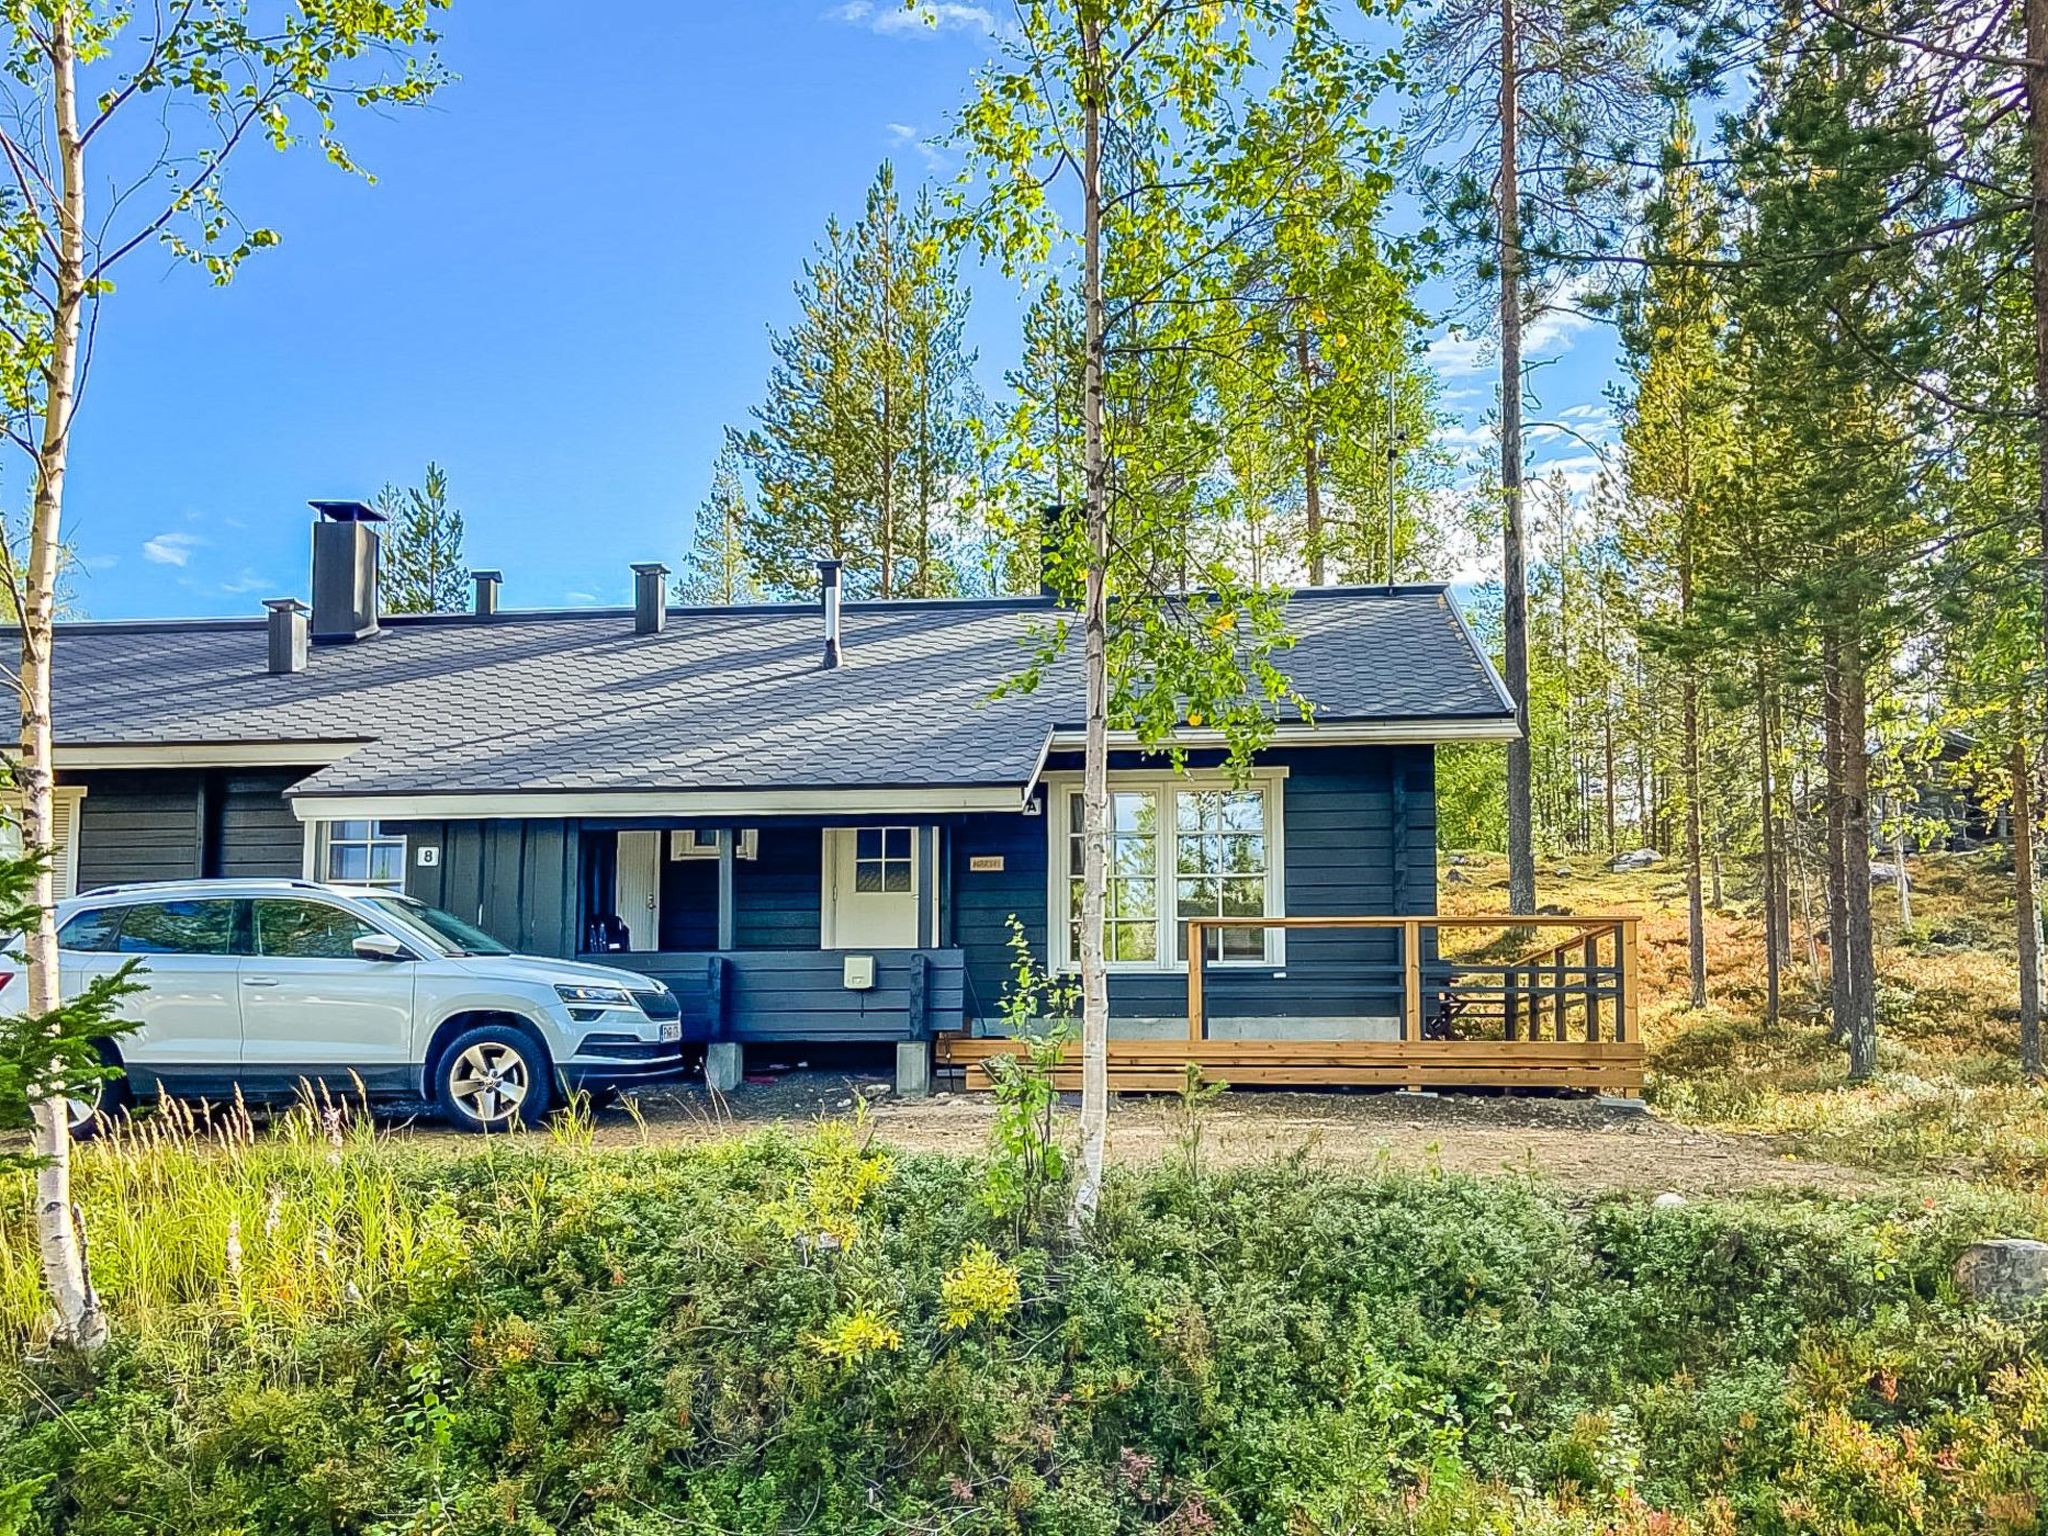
{"x": 722, "y": 699}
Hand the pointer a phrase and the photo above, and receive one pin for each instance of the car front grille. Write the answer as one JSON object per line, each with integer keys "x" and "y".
{"x": 659, "y": 1005}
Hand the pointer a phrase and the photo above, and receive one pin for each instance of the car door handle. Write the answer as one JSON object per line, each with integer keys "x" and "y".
{"x": 259, "y": 981}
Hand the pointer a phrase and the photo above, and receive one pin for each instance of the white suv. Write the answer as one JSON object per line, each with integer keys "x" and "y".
{"x": 267, "y": 985}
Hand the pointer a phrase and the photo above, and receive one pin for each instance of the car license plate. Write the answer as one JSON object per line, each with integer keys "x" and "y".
{"x": 671, "y": 1031}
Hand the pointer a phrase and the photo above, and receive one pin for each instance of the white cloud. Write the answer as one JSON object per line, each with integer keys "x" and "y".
{"x": 1457, "y": 354}
{"x": 169, "y": 548}
{"x": 904, "y": 136}
{"x": 893, "y": 18}
{"x": 579, "y": 597}
{"x": 248, "y": 581}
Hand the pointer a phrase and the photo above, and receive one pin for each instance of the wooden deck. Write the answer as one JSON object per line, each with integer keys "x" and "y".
{"x": 1538, "y": 1002}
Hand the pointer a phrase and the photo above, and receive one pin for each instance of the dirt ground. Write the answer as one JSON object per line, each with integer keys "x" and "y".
{"x": 1579, "y": 1143}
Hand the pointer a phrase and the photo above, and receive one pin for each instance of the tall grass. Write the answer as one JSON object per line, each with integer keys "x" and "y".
{"x": 199, "y": 1220}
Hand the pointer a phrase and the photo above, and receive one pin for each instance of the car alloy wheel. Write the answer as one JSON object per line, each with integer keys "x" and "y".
{"x": 490, "y": 1081}
{"x": 83, "y": 1111}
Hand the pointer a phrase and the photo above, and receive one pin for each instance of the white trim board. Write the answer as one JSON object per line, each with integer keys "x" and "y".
{"x": 204, "y": 754}
{"x": 655, "y": 803}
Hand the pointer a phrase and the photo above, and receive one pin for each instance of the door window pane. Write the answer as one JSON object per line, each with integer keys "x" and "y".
{"x": 178, "y": 928}
{"x": 884, "y": 860}
{"x": 91, "y": 932}
{"x": 307, "y": 930}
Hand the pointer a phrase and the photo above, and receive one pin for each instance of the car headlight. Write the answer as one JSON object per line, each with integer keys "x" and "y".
{"x": 594, "y": 997}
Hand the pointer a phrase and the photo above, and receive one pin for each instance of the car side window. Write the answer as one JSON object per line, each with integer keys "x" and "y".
{"x": 178, "y": 928}
{"x": 307, "y": 930}
{"x": 92, "y": 932}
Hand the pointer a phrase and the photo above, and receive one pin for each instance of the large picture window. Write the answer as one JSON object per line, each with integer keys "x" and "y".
{"x": 1178, "y": 848}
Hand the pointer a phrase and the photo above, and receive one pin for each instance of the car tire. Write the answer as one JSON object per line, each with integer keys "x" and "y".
{"x": 492, "y": 1078}
{"x": 112, "y": 1097}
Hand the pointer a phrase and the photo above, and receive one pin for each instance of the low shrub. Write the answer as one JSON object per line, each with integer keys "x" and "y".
{"x": 772, "y": 1334}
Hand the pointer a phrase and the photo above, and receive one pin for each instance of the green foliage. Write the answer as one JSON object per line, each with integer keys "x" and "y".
{"x": 422, "y": 569}
{"x": 1027, "y": 1162}
{"x": 53, "y": 1055}
{"x": 862, "y": 448}
{"x": 622, "y": 1342}
{"x": 718, "y": 568}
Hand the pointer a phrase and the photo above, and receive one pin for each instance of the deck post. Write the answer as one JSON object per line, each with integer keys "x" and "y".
{"x": 1411, "y": 980}
{"x": 725, "y": 901}
{"x": 1627, "y": 1024}
{"x": 1198, "y": 1022}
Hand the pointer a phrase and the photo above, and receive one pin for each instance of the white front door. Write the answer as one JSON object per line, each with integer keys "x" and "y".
{"x": 636, "y": 893}
{"x": 871, "y": 888}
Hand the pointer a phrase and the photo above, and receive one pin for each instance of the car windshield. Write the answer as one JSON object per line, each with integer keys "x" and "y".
{"x": 443, "y": 930}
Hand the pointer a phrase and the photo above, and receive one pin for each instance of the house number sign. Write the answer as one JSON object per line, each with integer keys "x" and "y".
{"x": 985, "y": 863}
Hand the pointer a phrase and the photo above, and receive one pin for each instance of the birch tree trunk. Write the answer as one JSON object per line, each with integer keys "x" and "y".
{"x": 1095, "y": 638}
{"x": 80, "y": 1321}
{"x": 1514, "y": 558}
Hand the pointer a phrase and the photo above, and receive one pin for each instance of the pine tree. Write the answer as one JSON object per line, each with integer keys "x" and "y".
{"x": 861, "y": 448}
{"x": 717, "y": 569}
{"x": 1543, "y": 170}
{"x": 422, "y": 560}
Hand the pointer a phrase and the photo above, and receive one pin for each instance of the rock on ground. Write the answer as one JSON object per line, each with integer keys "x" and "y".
{"x": 2005, "y": 1272}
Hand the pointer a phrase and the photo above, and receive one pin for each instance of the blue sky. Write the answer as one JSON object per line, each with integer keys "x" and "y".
{"x": 559, "y": 287}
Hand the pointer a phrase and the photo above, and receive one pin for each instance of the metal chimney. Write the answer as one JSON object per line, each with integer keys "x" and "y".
{"x": 828, "y": 592}
{"x": 287, "y": 634}
{"x": 650, "y": 598}
{"x": 345, "y": 552}
{"x": 487, "y": 592}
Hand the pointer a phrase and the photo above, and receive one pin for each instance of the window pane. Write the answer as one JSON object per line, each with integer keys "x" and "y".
{"x": 348, "y": 861}
{"x": 1133, "y": 898}
{"x": 1200, "y": 855}
{"x": 1132, "y": 813}
{"x": 90, "y": 932}
{"x": 1244, "y": 898}
{"x": 1243, "y": 854}
{"x": 896, "y": 842}
{"x": 1243, "y": 810}
{"x": 351, "y": 831}
{"x": 306, "y": 930}
{"x": 896, "y": 877}
{"x": 387, "y": 863}
{"x": 179, "y": 928}
{"x": 1198, "y": 898}
{"x": 867, "y": 876}
{"x": 1238, "y": 943}
{"x": 867, "y": 843}
{"x": 1132, "y": 941}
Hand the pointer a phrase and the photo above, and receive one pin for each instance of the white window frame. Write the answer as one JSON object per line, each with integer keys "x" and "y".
{"x": 320, "y": 839}
{"x": 66, "y": 805}
{"x": 1062, "y": 787}
{"x": 689, "y": 843}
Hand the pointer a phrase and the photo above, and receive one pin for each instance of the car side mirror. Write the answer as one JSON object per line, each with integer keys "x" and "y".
{"x": 380, "y": 946}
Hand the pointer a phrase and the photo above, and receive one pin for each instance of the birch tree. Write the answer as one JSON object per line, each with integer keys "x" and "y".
{"x": 1105, "y": 147}
{"x": 117, "y": 125}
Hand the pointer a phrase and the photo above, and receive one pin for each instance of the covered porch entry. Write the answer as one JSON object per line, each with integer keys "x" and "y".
{"x": 810, "y": 929}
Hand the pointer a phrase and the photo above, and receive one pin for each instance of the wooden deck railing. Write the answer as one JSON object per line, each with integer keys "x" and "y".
{"x": 1485, "y": 1002}
{"x": 1577, "y": 981}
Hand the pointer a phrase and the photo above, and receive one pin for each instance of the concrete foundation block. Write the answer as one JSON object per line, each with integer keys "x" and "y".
{"x": 913, "y": 1068}
{"x": 725, "y": 1064}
